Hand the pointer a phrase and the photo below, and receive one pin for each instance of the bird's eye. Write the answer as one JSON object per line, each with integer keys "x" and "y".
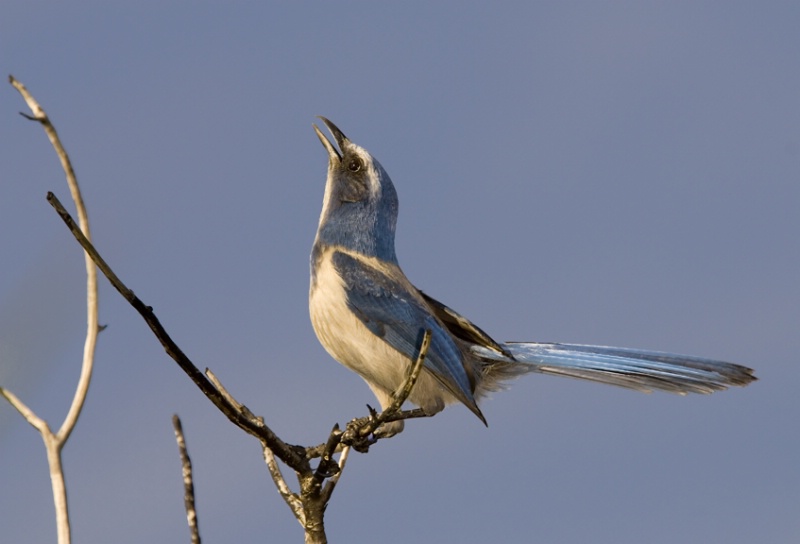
{"x": 354, "y": 165}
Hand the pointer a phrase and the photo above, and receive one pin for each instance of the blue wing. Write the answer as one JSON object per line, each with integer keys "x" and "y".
{"x": 399, "y": 317}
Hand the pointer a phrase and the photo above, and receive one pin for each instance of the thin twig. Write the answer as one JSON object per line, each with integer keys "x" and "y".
{"x": 224, "y": 392}
{"x": 53, "y": 448}
{"x": 229, "y": 398}
{"x": 327, "y": 466}
{"x": 292, "y": 500}
{"x": 327, "y": 491}
{"x": 92, "y": 327}
{"x": 29, "y": 415}
{"x": 400, "y": 396}
{"x": 360, "y": 433}
{"x": 188, "y": 482}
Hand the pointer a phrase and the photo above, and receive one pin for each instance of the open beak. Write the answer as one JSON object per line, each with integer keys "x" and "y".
{"x": 338, "y": 135}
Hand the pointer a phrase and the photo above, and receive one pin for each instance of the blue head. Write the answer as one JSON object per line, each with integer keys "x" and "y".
{"x": 359, "y": 210}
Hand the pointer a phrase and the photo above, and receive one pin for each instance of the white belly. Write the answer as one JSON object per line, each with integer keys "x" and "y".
{"x": 349, "y": 341}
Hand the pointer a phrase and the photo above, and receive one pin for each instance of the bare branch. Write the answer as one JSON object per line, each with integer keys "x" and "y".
{"x": 315, "y": 492}
{"x": 229, "y": 398}
{"x": 54, "y": 442}
{"x": 59, "y": 487}
{"x": 292, "y": 500}
{"x": 360, "y": 433}
{"x": 327, "y": 491}
{"x": 38, "y": 423}
{"x": 288, "y": 454}
{"x": 92, "y": 327}
{"x": 327, "y": 466}
{"x": 309, "y": 506}
{"x": 188, "y": 483}
{"x": 401, "y": 395}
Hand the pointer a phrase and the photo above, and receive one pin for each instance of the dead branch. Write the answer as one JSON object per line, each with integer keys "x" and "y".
{"x": 54, "y": 442}
{"x": 315, "y": 492}
{"x": 188, "y": 481}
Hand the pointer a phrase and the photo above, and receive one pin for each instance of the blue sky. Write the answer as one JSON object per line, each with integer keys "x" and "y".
{"x": 623, "y": 173}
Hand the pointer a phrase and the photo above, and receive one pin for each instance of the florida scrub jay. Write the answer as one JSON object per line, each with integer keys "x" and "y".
{"x": 371, "y": 318}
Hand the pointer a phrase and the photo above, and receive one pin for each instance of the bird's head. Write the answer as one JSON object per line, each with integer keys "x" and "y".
{"x": 359, "y": 210}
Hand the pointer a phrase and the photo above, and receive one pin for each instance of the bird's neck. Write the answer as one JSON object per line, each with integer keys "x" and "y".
{"x": 359, "y": 230}
{"x": 363, "y": 243}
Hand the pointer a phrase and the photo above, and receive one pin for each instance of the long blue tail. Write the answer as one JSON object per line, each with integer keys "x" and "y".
{"x": 632, "y": 368}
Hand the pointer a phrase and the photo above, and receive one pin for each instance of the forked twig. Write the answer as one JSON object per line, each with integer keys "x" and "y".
{"x": 292, "y": 499}
{"x": 54, "y": 442}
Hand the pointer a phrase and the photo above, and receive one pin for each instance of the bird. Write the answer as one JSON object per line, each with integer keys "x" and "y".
{"x": 372, "y": 319}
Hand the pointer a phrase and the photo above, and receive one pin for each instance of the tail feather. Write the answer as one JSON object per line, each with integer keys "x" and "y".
{"x": 632, "y": 368}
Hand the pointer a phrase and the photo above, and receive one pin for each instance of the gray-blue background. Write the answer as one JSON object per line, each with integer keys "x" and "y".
{"x": 623, "y": 173}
